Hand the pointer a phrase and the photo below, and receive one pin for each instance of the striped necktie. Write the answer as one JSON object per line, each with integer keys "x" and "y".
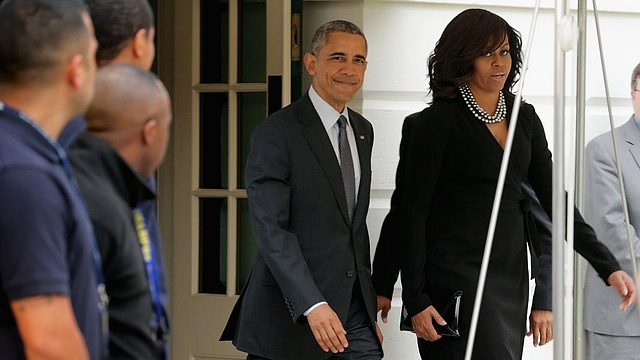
{"x": 346, "y": 165}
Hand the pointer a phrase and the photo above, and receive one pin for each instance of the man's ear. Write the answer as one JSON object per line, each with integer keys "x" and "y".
{"x": 74, "y": 72}
{"x": 310, "y": 63}
{"x": 139, "y": 42}
{"x": 149, "y": 131}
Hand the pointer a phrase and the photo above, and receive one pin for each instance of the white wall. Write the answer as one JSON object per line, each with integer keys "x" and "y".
{"x": 401, "y": 34}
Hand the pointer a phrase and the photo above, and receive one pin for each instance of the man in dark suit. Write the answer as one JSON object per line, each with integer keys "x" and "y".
{"x": 308, "y": 180}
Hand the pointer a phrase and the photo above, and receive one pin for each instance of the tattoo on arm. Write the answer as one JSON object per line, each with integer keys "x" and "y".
{"x": 34, "y": 302}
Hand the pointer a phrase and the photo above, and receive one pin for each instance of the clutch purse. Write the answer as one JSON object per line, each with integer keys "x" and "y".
{"x": 450, "y": 314}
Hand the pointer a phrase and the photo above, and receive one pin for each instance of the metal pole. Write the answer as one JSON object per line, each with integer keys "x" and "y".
{"x": 559, "y": 207}
{"x": 579, "y": 263}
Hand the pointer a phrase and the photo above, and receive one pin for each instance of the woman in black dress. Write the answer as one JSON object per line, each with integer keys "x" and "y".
{"x": 453, "y": 160}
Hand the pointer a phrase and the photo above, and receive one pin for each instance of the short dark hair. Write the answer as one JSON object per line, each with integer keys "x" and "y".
{"x": 469, "y": 35}
{"x": 36, "y": 36}
{"x": 634, "y": 78}
{"x": 343, "y": 26}
{"x": 116, "y": 22}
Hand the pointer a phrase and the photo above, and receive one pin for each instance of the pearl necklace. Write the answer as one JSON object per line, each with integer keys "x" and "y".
{"x": 479, "y": 112}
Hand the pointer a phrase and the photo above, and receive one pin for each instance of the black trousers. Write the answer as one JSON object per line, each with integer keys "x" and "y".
{"x": 362, "y": 337}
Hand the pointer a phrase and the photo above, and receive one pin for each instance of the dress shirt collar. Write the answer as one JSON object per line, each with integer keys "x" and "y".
{"x": 327, "y": 113}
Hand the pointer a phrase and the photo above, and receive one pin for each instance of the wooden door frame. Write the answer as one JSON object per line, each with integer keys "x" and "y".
{"x": 178, "y": 174}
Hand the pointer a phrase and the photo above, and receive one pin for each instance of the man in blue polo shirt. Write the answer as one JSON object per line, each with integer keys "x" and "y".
{"x": 49, "y": 303}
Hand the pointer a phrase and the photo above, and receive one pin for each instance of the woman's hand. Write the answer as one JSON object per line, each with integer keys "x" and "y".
{"x": 423, "y": 325}
{"x": 541, "y": 326}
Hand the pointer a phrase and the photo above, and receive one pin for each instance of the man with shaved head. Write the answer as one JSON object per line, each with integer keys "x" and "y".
{"x": 126, "y": 139}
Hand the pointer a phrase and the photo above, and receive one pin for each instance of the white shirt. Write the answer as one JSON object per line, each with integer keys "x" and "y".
{"x": 329, "y": 117}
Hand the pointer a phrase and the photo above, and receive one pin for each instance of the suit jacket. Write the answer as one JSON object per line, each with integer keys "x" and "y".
{"x": 386, "y": 265}
{"x": 308, "y": 253}
{"x": 603, "y": 210}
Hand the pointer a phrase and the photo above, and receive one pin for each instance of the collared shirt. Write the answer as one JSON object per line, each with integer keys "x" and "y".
{"x": 45, "y": 234}
{"x": 71, "y": 131}
{"x": 329, "y": 117}
{"x": 111, "y": 189}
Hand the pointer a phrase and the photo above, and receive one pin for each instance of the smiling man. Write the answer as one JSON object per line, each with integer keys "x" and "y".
{"x": 308, "y": 178}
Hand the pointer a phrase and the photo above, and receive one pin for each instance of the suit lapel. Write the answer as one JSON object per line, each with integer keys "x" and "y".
{"x": 318, "y": 140}
{"x": 631, "y": 135}
{"x": 363, "y": 142}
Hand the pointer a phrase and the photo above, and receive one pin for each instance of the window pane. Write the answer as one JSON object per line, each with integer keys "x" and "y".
{"x": 247, "y": 248}
{"x": 214, "y": 145}
{"x": 213, "y": 246}
{"x": 252, "y": 109}
{"x": 214, "y": 41}
{"x": 252, "y": 50}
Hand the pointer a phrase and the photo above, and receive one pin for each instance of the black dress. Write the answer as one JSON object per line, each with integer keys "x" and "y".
{"x": 453, "y": 162}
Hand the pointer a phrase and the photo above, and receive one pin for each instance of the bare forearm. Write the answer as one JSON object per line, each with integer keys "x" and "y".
{"x": 48, "y": 328}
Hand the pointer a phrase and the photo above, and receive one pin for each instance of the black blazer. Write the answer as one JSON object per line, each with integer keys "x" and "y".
{"x": 307, "y": 251}
{"x": 386, "y": 264}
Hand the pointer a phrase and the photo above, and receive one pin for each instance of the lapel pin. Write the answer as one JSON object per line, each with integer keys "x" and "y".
{"x": 361, "y": 137}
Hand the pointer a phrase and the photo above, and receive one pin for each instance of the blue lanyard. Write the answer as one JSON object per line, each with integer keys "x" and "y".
{"x": 103, "y": 303}
{"x": 148, "y": 255}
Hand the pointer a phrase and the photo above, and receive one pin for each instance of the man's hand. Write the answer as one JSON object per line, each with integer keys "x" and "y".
{"x": 327, "y": 329}
{"x": 541, "y": 326}
{"x": 423, "y": 326}
{"x": 623, "y": 284}
{"x": 384, "y": 305}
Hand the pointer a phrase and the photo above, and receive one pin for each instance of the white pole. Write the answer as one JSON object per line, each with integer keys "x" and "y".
{"x": 579, "y": 262}
{"x": 559, "y": 207}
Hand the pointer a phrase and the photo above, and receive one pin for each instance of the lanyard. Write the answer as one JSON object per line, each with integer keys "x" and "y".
{"x": 103, "y": 303}
{"x": 148, "y": 255}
